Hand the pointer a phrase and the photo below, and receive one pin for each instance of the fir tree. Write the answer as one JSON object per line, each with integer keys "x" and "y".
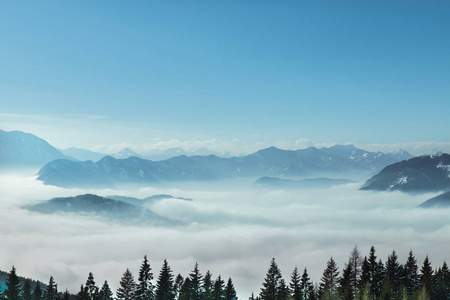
{"x": 26, "y": 291}
{"x": 165, "y": 287}
{"x": 91, "y": 288}
{"x": 177, "y": 285}
{"x": 306, "y": 287}
{"x": 13, "y": 287}
{"x": 394, "y": 275}
{"x": 105, "y": 292}
{"x": 354, "y": 263}
{"x": 219, "y": 289}
{"x": 426, "y": 276}
{"x": 196, "y": 286}
{"x": 127, "y": 289}
{"x": 441, "y": 283}
{"x": 185, "y": 290}
{"x": 82, "y": 294}
{"x": 296, "y": 292}
{"x": 269, "y": 291}
{"x": 37, "y": 292}
{"x": 208, "y": 286}
{"x": 145, "y": 289}
{"x": 66, "y": 295}
{"x": 412, "y": 279}
{"x": 230, "y": 292}
{"x": 329, "y": 281}
{"x": 283, "y": 290}
{"x": 52, "y": 290}
{"x": 345, "y": 283}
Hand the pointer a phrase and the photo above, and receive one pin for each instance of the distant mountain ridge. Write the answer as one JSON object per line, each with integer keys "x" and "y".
{"x": 418, "y": 174}
{"x": 441, "y": 201}
{"x": 106, "y": 208}
{"x": 20, "y": 149}
{"x": 275, "y": 182}
{"x": 273, "y": 162}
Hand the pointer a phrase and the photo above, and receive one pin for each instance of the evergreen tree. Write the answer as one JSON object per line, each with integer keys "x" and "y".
{"x": 219, "y": 289}
{"x": 306, "y": 287}
{"x": 426, "y": 276}
{"x": 269, "y": 291}
{"x": 13, "y": 287}
{"x": 364, "y": 279}
{"x": 412, "y": 279}
{"x": 354, "y": 263}
{"x": 296, "y": 292}
{"x": 91, "y": 288}
{"x": 394, "y": 275}
{"x": 441, "y": 283}
{"x": 196, "y": 286}
{"x": 66, "y": 295}
{"x": 82, "y": 294}
{"x": 105, "y": 292}
{"x": 145, "y": 289}
{"x": 185, "y": 290}
{"x": 376, "y": 274}
{"x": 230, "y": 292}
{"x": 283, "y": 290}
{"x": 165, "y": 286}
{"x": 345, "y": 283}
{"x": 208, "y": 287}
{"x": 26, "y": 291}
{"x": 329, "y": 281}
{"x": 37, "y": 292}
{"x": 52, "y": 290}
{"x": 177, "y": 285}
{"x": 127, "y": 289}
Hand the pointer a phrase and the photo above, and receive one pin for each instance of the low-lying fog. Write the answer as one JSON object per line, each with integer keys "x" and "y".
{"x": 233, "y": 230}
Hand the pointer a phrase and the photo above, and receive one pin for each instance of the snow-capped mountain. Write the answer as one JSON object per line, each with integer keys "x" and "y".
{"x": 423, "y": 173}
{"x": 20, "y": 149}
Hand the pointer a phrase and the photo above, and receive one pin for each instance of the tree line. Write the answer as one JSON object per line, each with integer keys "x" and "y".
{"x": 362, "y": 278}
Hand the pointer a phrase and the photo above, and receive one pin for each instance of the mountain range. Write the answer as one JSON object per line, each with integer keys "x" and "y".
{"x": 339, "y": 160}
{"x": 441, "y": 201}
{"x": 419, "y": 174}
{"x": 105, "y": 208}
{"x": 275, "y": 182}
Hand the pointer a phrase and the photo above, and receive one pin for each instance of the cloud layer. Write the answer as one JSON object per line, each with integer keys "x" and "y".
{"x": 233, "y": 231}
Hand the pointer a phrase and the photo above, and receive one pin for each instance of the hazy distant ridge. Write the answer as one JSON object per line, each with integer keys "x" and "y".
{"x": 274, "y": 162}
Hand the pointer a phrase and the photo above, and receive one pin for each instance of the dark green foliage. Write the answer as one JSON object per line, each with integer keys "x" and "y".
{"x": 37, "y": 292}
{"x": 441, "y": 283}
{"x": 329, "y": 281}
{"x": 306, "y": 287}
{"x": 127, "y": 289}
{"x": 411, "y": 277}
{"x": 105, "y": 292}
{"x": 208, "y": 287}
{"x": 165, "y": 289}
{"x": 394, "y": 276}
{"x": 13, "y": 287}
{"x": 185, "y": 290}
{"x": 177, "y": 285}
{"x": 345, "y": 283}
{"x": 51, "y": 292}
{"x": 91, "y": 288}
{"x": 426, "y": 275}
{"x": 283, "y": 290}
{"x": 196, "y": 284}
{"x": 230, "y": 292}
{"x": 82, "y": 294}
{"x": 145, "y": 289}
{"x": 219, "y": 289}
{"x": 296, "y": 292}
{"x": 271, "y": 283}
{"x": 66, "y": 295}
{"x": 26, "y": 291}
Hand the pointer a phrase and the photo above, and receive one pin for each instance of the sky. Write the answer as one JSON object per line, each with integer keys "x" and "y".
{"x": 94, "y": 74}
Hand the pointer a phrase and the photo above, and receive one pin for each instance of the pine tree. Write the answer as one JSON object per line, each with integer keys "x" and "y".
{"x": 376, "y": 274}
{"x": 364, "y": 279}
{"x": 283, "y": 290}
{"x": 208, "y": 287}
{"x": 91, "y": 288}
{"x": 394, "y": 275}
{"x": 82, "y": 294}
{"x": 412, "y": 279}
{"x": 66, "y": 295}
{"x": 196, "y": 286}
{"x": 105, "y": 292}
{"x": 13, "y": 287}
{"x": 127, "y": 289}
{"x": 345, "y": 283}
{"x": 219, "y": 289}
{"x": 177, "y": 285}
{"x": 37, "y": 292}
{"x": 269, "y": 291}
{"x": 165, "y": 287}
{"x": 52, "y": 290}
{"x": 329, "y": 281}
{"x": 230, "y": 292}
{"x": 426, "y": 276}
{"x": 441, "y": 283}
{"x": 145, "y": 289}
{"x": 296, "y": 292}
{"x": 185, "y": 290}
{"x": 306, "y": 287}
{"x": 26, "y": 291}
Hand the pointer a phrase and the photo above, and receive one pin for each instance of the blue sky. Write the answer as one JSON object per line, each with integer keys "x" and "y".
{"x": 84, "y": 73}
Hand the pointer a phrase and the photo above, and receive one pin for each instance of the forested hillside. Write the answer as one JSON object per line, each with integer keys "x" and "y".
{"x": 361, "y": 278}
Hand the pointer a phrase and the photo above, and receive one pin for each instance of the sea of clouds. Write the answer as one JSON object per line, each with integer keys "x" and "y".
{"x": 232, "y": 229}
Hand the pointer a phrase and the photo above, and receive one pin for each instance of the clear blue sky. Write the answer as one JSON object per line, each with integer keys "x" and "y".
{"x": 358, "y": 71}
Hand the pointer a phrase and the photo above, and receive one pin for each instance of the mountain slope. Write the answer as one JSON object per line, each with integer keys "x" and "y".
{"x": 101, "y": 207}
{"x": 424, "y": 173}
{"x": 82, "y": 154}
{"x": 273, "y": 162}
{"x": 441, "y": 201}
{"x": 275, "y": 182}
{"x": 20, "y": 149}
